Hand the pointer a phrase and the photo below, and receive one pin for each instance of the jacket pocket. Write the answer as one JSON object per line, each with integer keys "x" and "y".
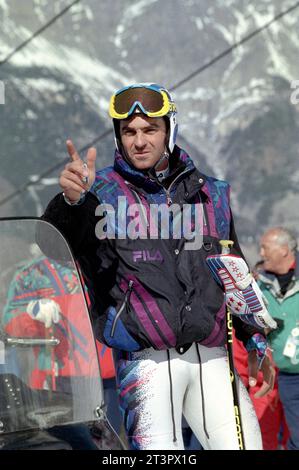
{"x": 121, "y": 339}
{"x": 124, "y": 305}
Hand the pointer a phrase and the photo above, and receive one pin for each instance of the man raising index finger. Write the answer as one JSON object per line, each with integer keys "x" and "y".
{"x": 77, "y": 176}
{"x": 154, "y": 301}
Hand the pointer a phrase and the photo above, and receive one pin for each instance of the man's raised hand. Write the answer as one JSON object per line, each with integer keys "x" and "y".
{"x": 77, "y": 176}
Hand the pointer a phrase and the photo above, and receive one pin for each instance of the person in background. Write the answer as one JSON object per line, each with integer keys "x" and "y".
{"x": 279, "y": 282}
{"x": 38, "y": 306}
{"x": 268, "y": 408}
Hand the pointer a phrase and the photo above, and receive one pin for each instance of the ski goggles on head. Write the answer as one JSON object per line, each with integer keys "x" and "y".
{"x": 153, "y": 102}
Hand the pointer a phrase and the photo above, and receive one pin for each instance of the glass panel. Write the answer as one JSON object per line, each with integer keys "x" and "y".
{"x": 49, "y": 371}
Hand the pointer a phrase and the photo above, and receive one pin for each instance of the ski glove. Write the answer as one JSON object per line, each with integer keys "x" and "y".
{"x": 46, "y": 311}
{"x": 257, "y": 343}
{"x": 242, "y": 294}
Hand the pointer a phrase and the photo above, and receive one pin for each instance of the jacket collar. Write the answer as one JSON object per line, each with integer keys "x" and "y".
{"x": 179, "y": 160}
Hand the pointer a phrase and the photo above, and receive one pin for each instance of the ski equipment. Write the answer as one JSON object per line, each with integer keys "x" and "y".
{"x": 147, "y": 98}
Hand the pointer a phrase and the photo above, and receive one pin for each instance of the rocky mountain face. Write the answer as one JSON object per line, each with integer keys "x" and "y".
{"x": 236, "y": 116}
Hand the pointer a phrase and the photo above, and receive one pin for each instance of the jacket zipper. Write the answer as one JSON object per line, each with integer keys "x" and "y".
{"x": 167, "y": 191}
{"x": 142, "y": 207}
{"x": 122, "y": 307}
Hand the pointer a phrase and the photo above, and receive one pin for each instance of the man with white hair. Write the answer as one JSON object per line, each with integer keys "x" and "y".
{"x": 280, "y": 285}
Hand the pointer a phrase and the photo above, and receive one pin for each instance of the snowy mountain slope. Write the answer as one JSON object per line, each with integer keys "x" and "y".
{"x": 236, "y": 116}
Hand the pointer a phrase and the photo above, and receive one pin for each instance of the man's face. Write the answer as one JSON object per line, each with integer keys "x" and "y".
{"x": 272, "y": 253}
{"x": 143, "y": 139}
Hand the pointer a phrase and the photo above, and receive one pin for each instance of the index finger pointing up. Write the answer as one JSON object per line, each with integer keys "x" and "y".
{"x": 72, "y": 150}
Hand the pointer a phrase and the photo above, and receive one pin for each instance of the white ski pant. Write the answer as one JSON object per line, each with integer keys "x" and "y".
{"x": 202, "y": 392}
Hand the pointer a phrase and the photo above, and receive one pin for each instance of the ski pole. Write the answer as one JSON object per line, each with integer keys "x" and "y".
{"x": 225, "y": 249}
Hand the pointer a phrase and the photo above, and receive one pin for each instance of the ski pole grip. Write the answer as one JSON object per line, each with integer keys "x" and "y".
{"x": 226, "y": 246}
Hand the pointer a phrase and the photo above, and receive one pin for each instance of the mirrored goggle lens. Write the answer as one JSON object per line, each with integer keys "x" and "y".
{"x": 152, "y": 101}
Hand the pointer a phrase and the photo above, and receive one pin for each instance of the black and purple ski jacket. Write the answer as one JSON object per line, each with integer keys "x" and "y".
{"x": 151, "y": 292}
